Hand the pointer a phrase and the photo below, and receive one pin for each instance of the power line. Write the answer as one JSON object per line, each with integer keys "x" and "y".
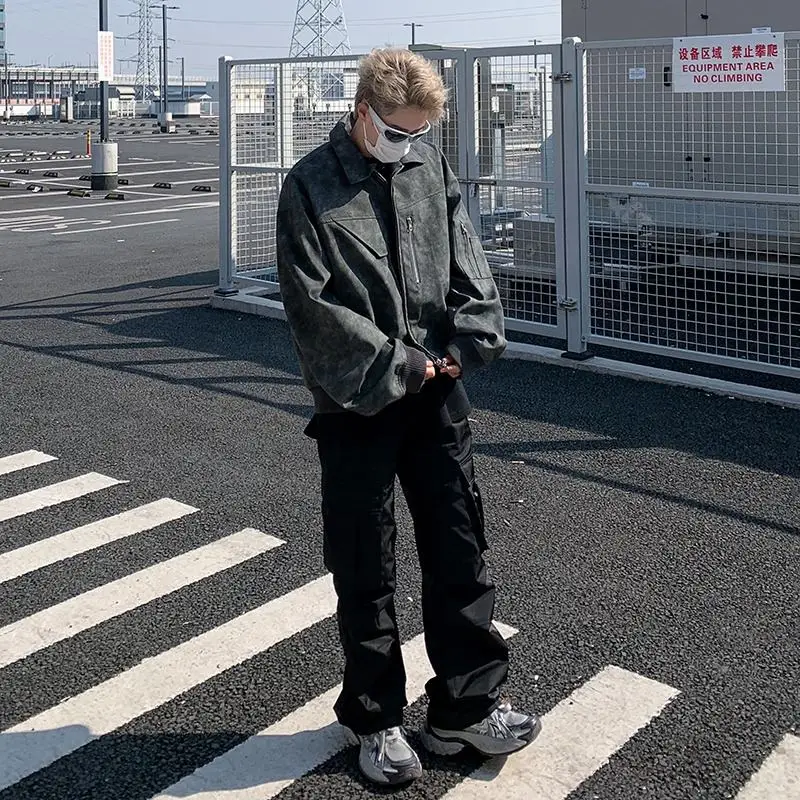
{"x": 540, "y": 10}
{"x": 459, "y": 20}
{"x": 360, "y": 49}
{"x": 514, "y": 40}
{"x": 447, "y": 20}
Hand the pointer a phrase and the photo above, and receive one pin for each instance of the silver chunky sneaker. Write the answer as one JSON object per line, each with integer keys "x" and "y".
{"x": 386, "y": 757}
{"x": 503, "y": 732}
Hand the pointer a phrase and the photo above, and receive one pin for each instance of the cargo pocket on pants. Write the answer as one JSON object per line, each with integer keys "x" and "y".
{"x": 474, "y": 499}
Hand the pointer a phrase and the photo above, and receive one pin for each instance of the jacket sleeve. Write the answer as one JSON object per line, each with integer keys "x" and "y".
{"x": 473, "y": 302}
{"x": 354, "y": 363}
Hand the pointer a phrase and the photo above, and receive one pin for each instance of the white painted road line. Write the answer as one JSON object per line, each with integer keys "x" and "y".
{"x": 36, "y": 176}
{"x": 779, "y": 775}
{"x": 50, "y": 225}
{"x": 128, "y": 192}
{"x": 56, "y": 163}
{"x": 61, "y": 166}
{"x": 196, "y": 180}
{"x": 67, "y": 619}
{"x": 4, "y": 217}
{"x": 187, "y": 207}
{"x": 53, "y": 495}
{"x": 197, "y": 140}
{"x": 82, "y": 202}
{"x": 578, "y": 737}
{"x": 59, "y": 184}
{"x": 42, "y": 739}
{"x": 69, "y": 544}
{"x": 34, "y": 219}
{"x": 265, "y": 764}
{"x": 164, "y": 172}
{"x": 30, "y": 458}
{"x": 100, "y": 229}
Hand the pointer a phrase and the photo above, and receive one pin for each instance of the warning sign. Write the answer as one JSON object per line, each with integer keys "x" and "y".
{"x": 747, "y": 63}
{"x": 105, "y": 56}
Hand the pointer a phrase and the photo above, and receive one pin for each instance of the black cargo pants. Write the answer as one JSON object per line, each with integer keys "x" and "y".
{"x": 429, "y": 448}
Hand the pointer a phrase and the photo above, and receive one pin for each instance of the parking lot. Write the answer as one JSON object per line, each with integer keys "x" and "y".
{"x": 169, "y": 183}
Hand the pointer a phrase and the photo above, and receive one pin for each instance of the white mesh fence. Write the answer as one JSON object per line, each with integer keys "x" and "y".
{"x": 686, "y": 206}
{"x": 693, "y": 211}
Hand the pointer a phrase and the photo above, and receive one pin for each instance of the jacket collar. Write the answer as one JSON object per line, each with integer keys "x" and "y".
{"x": 356, "y": 167}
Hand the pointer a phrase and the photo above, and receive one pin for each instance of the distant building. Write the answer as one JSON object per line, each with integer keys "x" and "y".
{"x": 605, "y": 20}
{"x": 36, "y": 91}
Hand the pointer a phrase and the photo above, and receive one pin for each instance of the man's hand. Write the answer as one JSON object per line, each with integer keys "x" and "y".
{"x": 452, "y": 369}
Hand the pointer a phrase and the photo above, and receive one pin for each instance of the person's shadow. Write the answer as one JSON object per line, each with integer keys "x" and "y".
{"x": 176, "y": 765}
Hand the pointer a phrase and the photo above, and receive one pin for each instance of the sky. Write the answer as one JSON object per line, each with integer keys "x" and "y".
{"x": 64, "y": 31}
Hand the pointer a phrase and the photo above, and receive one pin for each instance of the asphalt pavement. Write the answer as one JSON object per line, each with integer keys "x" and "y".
{"x": 166, "y": 622}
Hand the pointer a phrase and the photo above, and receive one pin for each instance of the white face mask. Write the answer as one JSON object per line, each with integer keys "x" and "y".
{"x": 384, "y": 149}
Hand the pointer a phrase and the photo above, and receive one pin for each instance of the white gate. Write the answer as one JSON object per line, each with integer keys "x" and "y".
{"x": 502, "y": 133}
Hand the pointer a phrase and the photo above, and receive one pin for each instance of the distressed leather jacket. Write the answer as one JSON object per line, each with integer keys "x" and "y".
{"x": 380, "y": 270}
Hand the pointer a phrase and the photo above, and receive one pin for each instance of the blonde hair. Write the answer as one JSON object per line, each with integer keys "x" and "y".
{"x": 393, "y": 78}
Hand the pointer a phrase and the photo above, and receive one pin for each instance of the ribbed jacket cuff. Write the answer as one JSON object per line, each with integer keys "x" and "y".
{"x": 413, "y": 373}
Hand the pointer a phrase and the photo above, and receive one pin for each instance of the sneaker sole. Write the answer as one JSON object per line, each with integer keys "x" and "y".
{"x": 450, "y": 746}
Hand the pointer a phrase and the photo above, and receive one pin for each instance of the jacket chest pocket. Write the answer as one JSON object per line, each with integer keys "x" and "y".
{"x": 354, "y": 233}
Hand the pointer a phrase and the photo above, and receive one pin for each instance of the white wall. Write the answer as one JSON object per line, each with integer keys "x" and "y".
{"x": 599, "y": 20}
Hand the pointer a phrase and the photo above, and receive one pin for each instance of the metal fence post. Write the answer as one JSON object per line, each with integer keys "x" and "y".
{"x": 574, "y": 302}
{"x": 227, "y": 266}
{"x": 285, "y": 117}
{"x": 468, "y": 135}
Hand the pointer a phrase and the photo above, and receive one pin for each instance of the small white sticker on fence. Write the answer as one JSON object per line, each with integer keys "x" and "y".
{"x": 751, "y": 62}
{"x": 105, "y": 56}
{"x": 637, "y": 73}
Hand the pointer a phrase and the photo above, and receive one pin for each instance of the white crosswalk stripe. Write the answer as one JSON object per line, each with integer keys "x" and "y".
{"x": 110, "y": 705}
{"x": 38, "y": 555}
{"x": 580, "y": 735}
{"x": 22, "y": 638}
{"x": 779, "y": 775}
{"x": 30, "y": 458}
{"x": 55, "y": 494}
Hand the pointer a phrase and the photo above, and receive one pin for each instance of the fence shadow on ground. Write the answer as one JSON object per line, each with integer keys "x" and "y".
{"x": 255, "y": 362}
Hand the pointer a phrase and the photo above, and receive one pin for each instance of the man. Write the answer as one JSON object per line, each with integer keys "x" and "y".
{"x": 390, "y": 301}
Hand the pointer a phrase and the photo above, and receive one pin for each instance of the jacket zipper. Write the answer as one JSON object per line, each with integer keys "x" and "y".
{"x": 403, "y": 290}
{"x": 467, "y": 240}
{"x": 410, "y": 227}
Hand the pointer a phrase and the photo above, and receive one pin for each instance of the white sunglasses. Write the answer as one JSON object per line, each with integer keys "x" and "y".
{"x": 393, "y": 134}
